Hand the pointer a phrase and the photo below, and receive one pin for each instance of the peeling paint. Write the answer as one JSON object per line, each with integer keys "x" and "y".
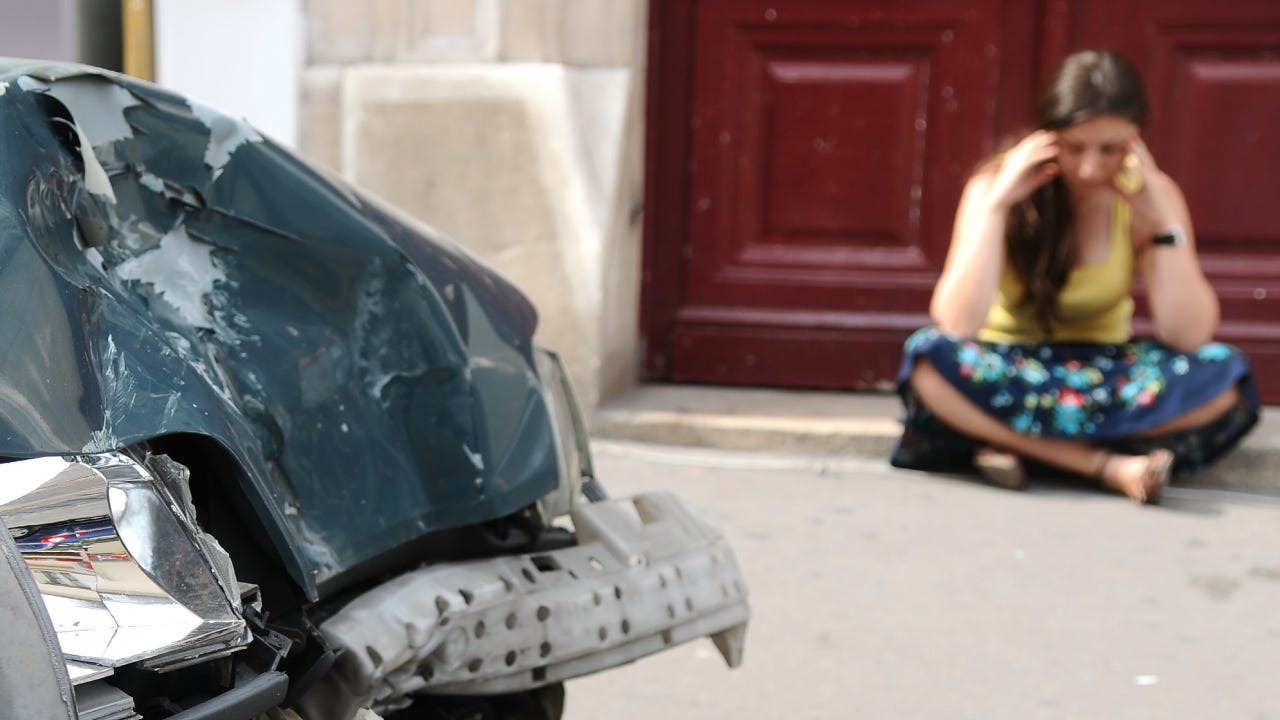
{"x": 28, "y": 83}
{"x": 95, "y": 178}
{"x": 182, "y": 272}
{"x": 151, "y": 182}
{"x": 218, "y": 286}
{"x": 225, "y": 136}
{"x": 118, "y": 385}
{"x": 105, "y": 103}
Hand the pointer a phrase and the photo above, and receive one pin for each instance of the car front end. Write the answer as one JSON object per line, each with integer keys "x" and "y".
{"x": 265, "y": 444}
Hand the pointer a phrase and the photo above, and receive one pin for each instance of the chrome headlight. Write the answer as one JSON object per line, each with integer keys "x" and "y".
{"x": 123, "y": 571}
{"x": 574, "y": 448}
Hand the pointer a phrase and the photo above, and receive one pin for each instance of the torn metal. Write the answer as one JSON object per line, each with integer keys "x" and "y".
{"x": 166, "y": 269}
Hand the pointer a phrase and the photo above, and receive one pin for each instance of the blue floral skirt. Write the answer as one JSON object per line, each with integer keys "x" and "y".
{"x": 1104, "y": 394}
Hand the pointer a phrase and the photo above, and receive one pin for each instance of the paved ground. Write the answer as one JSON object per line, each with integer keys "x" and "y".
{"x": 889, "y": 594}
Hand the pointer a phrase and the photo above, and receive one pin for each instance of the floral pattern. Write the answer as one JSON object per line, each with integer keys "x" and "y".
{"x": 1103, "y": 393}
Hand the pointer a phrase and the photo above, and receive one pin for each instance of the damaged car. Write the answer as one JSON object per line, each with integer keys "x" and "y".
{"x": 267, "y": 447}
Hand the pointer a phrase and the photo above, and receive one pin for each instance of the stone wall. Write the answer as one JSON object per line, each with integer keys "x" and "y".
{"x": 515, "y": 128}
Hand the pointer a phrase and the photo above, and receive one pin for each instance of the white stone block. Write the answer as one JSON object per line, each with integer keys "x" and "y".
{"x": 320, "y": 132}
{"x": 600, "y": 32}
{"x": 340, "y": 31}
{"x": 518, "y": 163}
{"x": 450, "y": 30}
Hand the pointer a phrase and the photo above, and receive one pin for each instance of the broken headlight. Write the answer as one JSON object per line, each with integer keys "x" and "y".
{"x": 571, "y": 437}
{"x": 123, "y": 570}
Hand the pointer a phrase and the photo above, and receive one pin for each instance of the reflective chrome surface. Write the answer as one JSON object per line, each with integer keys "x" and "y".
{"x": 123, "y": 572}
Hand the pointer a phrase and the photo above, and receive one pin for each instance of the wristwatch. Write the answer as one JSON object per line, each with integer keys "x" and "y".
{"x": 1175, "y": 236}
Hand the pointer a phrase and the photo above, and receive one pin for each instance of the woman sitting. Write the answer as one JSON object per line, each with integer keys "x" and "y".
{"x": 1032, "y": 355}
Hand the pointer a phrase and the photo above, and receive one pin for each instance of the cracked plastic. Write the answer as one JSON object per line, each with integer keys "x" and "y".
{"x": 166, "y": 269}
{"x": 648, "y": 573}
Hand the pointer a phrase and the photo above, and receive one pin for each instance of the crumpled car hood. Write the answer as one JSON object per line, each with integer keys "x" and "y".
{"x": 166, "y": 269}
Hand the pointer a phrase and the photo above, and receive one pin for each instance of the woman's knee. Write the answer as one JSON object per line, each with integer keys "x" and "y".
{"x": 925, "y": 378}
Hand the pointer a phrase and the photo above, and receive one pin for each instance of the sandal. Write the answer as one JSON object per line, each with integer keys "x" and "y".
{"x": 1001, "y": 469}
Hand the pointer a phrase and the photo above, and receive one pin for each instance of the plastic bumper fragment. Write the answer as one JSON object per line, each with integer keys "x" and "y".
{"x": 648, "y": 573}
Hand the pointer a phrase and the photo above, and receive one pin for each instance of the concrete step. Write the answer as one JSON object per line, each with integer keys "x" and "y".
{"x": 848, "y": 424}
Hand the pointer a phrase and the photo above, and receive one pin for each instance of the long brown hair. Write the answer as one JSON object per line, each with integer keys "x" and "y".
{"x": 1087, "y": 84}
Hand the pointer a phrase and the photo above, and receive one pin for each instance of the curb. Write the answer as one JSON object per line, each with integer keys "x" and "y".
{"x": 861, "y": 425}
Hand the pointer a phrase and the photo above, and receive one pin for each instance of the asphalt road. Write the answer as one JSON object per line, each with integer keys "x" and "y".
{"x": 879, "y": 593}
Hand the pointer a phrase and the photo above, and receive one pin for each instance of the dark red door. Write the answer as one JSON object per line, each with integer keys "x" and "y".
{"x": 1213, "y": 72}
{"x": 805, "y": 159}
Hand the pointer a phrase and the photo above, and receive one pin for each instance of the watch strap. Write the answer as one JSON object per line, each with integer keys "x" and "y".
{"x": 1175, "y": 236}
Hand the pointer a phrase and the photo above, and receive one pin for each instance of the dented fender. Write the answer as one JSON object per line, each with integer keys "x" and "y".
{"x": 167, "y": 269}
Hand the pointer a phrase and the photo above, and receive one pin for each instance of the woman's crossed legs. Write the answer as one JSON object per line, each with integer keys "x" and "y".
{"x": 1140, "y": 477}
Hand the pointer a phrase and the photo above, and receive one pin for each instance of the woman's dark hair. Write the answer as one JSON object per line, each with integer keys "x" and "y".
{"x": 1088, "y": 84}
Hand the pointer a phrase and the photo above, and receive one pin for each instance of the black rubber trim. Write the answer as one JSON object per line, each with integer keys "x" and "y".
{"x": 246, "y": 700}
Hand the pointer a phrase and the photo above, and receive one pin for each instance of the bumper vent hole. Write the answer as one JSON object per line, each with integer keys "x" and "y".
{"x": 545, "y": 563}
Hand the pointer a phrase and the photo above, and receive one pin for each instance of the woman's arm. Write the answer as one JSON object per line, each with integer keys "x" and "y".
{"x": 1184, "y": 306}
{"x": 966, "y": 288}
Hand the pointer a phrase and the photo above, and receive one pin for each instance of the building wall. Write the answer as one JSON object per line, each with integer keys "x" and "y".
{"x": 85, "y": 31}
{"x": 512, "y": 126}
{"x": 243, "y": 57}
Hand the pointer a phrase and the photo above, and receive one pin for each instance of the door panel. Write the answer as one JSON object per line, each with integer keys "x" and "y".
{"x": 821, "y": 187}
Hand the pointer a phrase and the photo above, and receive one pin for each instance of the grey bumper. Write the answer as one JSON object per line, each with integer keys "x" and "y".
{"x": 648, "y": 573}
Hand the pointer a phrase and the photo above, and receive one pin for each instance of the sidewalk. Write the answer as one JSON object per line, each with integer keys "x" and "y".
{"x": 848, "y": 423}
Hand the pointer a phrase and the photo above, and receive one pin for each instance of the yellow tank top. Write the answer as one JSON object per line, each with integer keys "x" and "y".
{"x": 1096, "y": 303}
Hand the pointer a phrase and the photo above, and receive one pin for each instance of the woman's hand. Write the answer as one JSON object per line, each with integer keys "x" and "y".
{"x": 1030, "y": 164}
{"x": 970, "y": 276}
{"x": 1148, "y": 197}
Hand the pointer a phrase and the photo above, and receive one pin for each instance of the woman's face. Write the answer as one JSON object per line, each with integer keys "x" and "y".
{"x": 1092, "y": 151}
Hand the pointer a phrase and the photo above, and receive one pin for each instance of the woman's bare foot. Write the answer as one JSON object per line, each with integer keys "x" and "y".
{"x": 1140, "y": 477}
{"x": 1000, "y": 468}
